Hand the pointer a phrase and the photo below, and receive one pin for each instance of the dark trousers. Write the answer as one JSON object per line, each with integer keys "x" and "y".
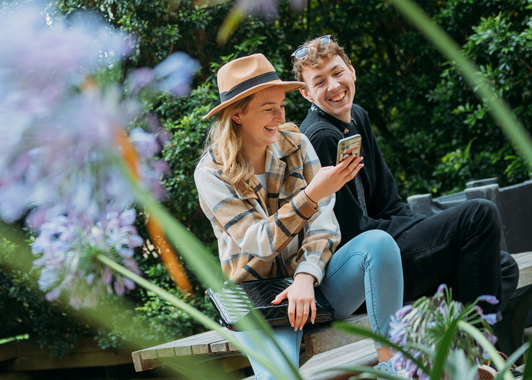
{"x": 461, "y": 248}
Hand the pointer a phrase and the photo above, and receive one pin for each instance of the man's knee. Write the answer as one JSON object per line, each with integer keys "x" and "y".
{"x": 484, "y": 208}
{"x": 484, "y": 213}
{"x": 509, "y": 270}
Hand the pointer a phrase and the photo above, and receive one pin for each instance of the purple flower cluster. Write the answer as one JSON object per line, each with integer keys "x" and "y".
{"x": 425, "y": 322}
{"x": 60, "y": 131}
{"x": 67, "y": 247}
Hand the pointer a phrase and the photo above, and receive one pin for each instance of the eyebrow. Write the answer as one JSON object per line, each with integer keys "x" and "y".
{"x": 319, "y": 76}
{"x": 268, "y": 103}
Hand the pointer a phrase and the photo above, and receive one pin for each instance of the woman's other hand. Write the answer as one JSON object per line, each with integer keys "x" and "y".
{"x": 300, "y": 299}
{"x": 330, "y": 179}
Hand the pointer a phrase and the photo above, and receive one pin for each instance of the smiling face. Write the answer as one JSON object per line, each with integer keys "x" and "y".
{"x": 331, "y": 87}
{"x": 259, "y": 122}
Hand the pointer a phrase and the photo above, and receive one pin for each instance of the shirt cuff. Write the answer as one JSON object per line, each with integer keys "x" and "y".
{"x": 304, "y": 205}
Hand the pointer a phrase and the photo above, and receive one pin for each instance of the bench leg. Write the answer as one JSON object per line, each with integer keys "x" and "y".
{"x": 510, "y": 331}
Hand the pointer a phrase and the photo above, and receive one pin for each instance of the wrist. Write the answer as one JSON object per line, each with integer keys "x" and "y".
{"x": 311, "y": 196}
{"x": 305, "y": 277}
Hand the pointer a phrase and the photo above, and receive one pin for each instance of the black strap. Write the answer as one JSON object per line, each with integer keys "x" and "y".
{"x": 247, "y": 84}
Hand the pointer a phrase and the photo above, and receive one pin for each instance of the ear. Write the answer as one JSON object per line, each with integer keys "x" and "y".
{"x": 236, "y": 118}
{"x": 306, "y": 95}
{"x": 353, "y": 73}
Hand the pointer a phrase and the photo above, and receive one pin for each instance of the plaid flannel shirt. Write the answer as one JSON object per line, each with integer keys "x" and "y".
{"x": 276, "y": 233}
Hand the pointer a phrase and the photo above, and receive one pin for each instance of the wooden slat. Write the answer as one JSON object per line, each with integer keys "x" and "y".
{"x": 524, "y": 260}
{"x": 326, "y": 365}
{"x": 322, "y": 339}
{"x": 202, "y": 345}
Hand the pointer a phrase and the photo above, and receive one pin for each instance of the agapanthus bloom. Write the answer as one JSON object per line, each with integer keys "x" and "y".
{"x": 67, "y": 248}
{"x": 61, "y": 132}
{"x": 426, "y": 321}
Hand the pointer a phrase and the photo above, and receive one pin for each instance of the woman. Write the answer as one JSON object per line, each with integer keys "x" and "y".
{"x": 271, "y": 207}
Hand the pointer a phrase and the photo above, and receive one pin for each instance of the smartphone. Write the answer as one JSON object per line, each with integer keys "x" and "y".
{"x": 346, "y": 147}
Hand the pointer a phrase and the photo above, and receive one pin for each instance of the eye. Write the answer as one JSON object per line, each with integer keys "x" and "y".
{"x": 317, "y": 84}
{"x": 268, "y": 110}
{"x": 338, "y": 73}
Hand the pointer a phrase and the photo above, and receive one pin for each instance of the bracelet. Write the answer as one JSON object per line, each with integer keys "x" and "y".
{"x": 309, "y": 197}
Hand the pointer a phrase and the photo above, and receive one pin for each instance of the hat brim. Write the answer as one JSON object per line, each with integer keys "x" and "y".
{"x": 287, "y": 85}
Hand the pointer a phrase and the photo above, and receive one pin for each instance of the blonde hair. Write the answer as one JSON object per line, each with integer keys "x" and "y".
{"x": 226, "y": 143}
{"x": 317, "y": 56}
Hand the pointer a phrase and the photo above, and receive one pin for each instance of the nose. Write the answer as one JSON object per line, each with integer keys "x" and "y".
{"x": 279, "y": 115}
{"x": 333, "y": 84}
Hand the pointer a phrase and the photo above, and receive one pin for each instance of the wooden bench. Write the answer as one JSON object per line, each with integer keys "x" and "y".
{"x": 321, "y": 340}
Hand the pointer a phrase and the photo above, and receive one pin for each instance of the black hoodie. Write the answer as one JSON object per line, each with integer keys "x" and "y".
{"x": 385, "y": 208}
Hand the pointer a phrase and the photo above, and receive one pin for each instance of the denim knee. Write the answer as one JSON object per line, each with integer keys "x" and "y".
{"x": 383, "y": 247}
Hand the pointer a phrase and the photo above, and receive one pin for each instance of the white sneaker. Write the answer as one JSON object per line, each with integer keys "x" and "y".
{"x": 388, "y": 368}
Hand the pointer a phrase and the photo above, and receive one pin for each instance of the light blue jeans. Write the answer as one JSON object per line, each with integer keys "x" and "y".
{"x": 366, "y": 268}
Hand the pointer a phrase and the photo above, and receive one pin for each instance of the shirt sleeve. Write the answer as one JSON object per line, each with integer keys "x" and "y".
{"x": 322, "y": 232}
{"x": 260, "y": 236}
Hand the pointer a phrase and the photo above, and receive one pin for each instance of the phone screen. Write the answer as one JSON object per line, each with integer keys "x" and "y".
{"x": 348, "y": 146}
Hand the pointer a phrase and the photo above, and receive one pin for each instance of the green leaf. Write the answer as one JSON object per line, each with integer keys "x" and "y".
{"x": 442, "y": 351}
{"x": 512, "y": 359}
{"x": 527, "y": 374}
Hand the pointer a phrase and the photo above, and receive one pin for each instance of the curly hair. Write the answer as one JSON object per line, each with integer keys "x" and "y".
{"x": 317, "y": 56}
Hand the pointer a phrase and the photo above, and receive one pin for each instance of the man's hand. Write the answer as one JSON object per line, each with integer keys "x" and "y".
{"x": 300, "y": 299}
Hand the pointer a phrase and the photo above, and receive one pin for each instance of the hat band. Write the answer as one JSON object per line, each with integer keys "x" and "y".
{"x": 247, "y": 84}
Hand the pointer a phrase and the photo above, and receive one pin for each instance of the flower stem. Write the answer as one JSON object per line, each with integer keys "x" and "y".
{"x": 196, "y": 314}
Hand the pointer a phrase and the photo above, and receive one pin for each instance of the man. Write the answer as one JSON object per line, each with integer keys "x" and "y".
{"x": 459, "y": 246}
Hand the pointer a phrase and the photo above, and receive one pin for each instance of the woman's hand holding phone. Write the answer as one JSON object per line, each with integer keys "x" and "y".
{"x": 330, "y": 179}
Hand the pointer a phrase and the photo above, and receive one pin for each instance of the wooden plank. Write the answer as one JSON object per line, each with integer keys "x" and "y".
{"x": 322, "y": 339}
{"x": 361, "y": 353}
{"x": 201, "y": 346}
{"x": 143, "y": 364}
{"x": 90, "y": 359}
{"x": 524, "y": 260}
{"x": 221, "y": 346}
{"x": 325, "y": 366}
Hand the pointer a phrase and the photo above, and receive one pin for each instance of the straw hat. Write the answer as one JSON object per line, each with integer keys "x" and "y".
{"x": 246, "y": 76}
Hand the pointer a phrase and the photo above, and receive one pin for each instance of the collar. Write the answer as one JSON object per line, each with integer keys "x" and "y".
{"x": 347, "y": 129}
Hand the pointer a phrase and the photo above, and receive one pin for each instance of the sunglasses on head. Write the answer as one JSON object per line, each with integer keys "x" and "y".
{"x": 302, "y": 51}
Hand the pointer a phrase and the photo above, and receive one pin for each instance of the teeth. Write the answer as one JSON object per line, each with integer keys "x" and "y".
{"x": 271, "y": 128}
{"x": 338, "y": 97}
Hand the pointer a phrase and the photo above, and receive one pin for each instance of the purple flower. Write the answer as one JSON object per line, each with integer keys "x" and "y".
{"x": 61, "y": 132}
{"x": 175, "y": 73}
{"x": 139, "y": 79}
{"x": 399, "y": 314}
{"x": 492, "y": 300}
{"x": 441, "y": 288}
{"x": 67, "y": 256}
{"x": 491, "y": 319}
